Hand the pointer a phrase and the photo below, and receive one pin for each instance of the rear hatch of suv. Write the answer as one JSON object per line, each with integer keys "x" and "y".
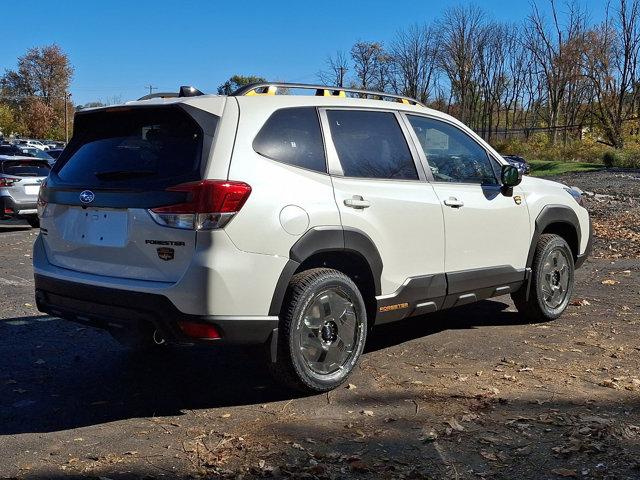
{"x": 20, "y": 178}
{"x": 97, "y": 207}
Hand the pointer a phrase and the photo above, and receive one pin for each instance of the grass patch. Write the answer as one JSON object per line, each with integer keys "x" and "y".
{"x": 543, "y": 168}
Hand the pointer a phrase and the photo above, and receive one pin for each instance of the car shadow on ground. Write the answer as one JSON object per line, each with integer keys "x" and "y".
{"x": 57, "y": 375}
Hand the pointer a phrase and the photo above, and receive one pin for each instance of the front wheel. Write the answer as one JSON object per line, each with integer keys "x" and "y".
{"x": 322, "y": 331}
{"x": 552, "y": 278}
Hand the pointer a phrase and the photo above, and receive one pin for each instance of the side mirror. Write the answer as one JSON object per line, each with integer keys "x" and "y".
{"x": 510, "y": 176}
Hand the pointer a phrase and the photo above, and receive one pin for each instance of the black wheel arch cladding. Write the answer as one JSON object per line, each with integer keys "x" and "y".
{"x": 548, "y": 216}
{"x": 327, "y": 239}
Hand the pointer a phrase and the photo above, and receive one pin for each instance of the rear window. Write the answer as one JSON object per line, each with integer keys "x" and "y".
{"x": 25, "y": 168}
{"x": 292, "y": 136}
{"x": 139, "y": 147}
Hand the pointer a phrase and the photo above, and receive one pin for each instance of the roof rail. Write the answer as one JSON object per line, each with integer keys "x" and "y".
{"x": 271, "y": 88}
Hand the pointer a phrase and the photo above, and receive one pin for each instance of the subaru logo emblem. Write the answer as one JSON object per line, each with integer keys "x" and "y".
{"x": 87, "y": 196}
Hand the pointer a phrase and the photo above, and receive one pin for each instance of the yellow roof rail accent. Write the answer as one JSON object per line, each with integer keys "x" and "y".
{"x": 270, "y": 90}
{"x": 325, "y": 92}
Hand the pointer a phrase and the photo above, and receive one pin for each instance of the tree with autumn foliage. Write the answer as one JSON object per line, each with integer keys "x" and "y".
{"x": 35, "y": 92}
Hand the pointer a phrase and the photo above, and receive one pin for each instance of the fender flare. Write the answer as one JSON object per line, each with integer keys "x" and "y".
{"x": 553, "y": 214}
{"x": 327, "y": 239}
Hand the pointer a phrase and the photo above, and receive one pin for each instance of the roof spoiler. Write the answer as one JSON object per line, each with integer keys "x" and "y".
{"x": 185, "y": 91}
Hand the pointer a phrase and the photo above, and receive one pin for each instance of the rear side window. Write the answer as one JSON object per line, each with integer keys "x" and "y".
{"x": 133, "y": 147}
{"x": 371, "y": 145}
{"x": 292, "y": 136}
{"x": 25, "y": 168}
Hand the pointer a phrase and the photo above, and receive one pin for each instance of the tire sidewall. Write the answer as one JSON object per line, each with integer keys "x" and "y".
{"x": 552, "y": 313}
{"x": 306, "y": 375}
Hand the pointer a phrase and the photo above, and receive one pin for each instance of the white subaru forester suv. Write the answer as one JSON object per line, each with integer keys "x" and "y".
{"x": 295, "y": 221}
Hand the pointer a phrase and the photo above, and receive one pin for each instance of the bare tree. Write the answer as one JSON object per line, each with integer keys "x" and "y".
{"x": 556, "y": 48}
{"x": 367, "y": 57}
{"x": 461, "y": 31}
{"x": 337, "y": 67}
{"x": 611, "y": 66}
{"x": 415, "y": 54}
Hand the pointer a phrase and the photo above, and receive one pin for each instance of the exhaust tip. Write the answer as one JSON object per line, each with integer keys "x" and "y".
{"x": 158, "y": 338}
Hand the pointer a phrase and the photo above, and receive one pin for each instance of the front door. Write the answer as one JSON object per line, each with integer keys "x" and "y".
{"x": 487, "y": 231}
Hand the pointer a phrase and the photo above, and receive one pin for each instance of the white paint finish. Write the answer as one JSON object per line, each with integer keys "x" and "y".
{"x": 539, "y": 193}
{"x": 123, "y": 252}
{"x": 404, "y": 220}
{"x": 216, "y": 282}
{"x": 274, "y": 185}
{"x": 294, "y": 220}
{"x": 488, "y": 230}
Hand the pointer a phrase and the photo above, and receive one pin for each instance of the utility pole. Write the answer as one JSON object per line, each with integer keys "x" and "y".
{"x": 151, "y": 88}
{"x": 341, "y": 77}
{"x": 67, "y": 96}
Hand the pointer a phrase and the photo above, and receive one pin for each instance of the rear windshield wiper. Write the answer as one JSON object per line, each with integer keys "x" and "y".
{"x": 124, "y": 174}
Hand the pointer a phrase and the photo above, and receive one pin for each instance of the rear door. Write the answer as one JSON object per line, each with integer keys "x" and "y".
{"x": 120, "y": 163}
{"x": 487, "y": 232}
{"x": 381, "y": 190}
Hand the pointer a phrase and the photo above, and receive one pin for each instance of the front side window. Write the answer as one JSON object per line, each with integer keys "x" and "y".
{"x": 371, "y": 145}
{"x": 453, "y": 156}
{"x": 293, "y": 136}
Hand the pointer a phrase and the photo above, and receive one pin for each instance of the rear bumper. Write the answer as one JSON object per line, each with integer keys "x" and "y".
{"x": 124, "y": 310}
{"x": 9, "y": 208}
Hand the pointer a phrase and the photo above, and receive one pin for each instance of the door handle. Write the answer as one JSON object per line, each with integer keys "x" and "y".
{"x": 357, "y": 202}
{"x": 453, "y": 202}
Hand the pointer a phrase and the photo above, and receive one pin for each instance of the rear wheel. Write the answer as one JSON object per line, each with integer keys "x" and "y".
{"x": 34, "y": 222}
{"x": 552, "y": 277}
{"x": 322, "y": 331}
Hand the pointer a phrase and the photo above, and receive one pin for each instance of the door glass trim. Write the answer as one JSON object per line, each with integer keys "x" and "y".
{"x": 423, "y": 156}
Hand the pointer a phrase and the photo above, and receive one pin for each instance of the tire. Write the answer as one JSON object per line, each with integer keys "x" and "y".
{"x": 318, "y": 354}
{"x": 552, "y": 278}
{"x": 33, "y": 221}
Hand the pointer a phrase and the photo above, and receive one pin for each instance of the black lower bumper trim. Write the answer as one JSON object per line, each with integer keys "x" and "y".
{"x": 580, "y": 259}
{"x": 8, "y": 203}
{"x": 125, "y": 310}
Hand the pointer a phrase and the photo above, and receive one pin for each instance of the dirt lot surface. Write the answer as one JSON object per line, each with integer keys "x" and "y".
{"x": 469, "y": 393}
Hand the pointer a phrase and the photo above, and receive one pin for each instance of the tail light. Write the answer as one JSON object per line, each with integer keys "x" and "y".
{"x": 41, "y": 204}
{"x": 8, "y": 181}
{"x": 210, "y": 204}
{"x": 201, "y": 331}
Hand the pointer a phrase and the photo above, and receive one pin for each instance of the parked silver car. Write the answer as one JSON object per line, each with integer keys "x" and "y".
{"x": 20, "y": 180}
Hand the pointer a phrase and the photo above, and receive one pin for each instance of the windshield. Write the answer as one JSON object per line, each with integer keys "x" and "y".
{"x": 141, "y": 148}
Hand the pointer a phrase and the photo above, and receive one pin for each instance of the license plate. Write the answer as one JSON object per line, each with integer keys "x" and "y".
{"x": 99, "y": 227}
{"x": 31, "y": 189}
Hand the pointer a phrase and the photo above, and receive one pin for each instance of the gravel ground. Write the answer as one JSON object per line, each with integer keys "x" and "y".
{"x": 469, "y": 393}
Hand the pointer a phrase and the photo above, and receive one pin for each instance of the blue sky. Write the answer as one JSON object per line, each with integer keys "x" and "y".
{"x": 117, "y": 47}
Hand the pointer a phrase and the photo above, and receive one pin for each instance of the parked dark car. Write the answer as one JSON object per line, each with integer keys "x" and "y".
{"x": 518, "y": 162}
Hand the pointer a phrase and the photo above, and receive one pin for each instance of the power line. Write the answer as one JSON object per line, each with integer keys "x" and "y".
{"x": 151, "y": 88}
